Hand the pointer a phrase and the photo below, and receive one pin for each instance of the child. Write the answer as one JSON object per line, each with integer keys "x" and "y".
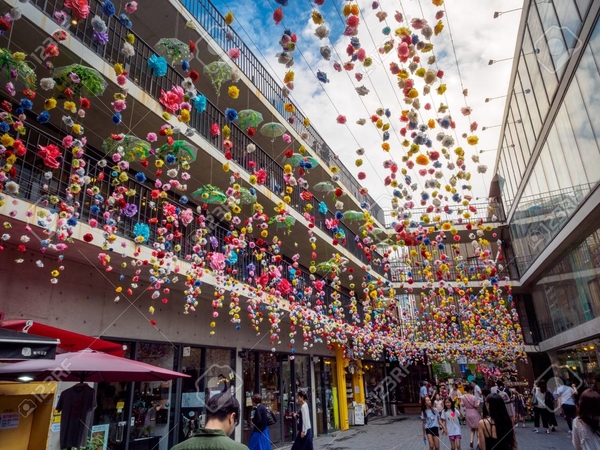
{"x": 431, "y": 425}
{"x": 451, "y": 423}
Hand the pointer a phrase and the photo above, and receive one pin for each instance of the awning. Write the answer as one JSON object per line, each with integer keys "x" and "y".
{"x": 21, "y": 346}
{"x": 69, "y": 341}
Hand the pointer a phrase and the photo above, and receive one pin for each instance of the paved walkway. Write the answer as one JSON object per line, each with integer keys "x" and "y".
{"x": 404, "y": 433}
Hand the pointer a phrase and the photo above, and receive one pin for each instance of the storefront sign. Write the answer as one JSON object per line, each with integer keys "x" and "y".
{"x": 359, "y": 414}
{"x": 9, "y": 420}
{"x": 120, "y": 406}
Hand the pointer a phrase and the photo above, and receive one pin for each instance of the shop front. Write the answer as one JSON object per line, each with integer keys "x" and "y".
{"x": 277, "y": 378}
{"x": 157, "y": 415}
{"x": 579, "y": 363}
{"x": 376, "y": 389}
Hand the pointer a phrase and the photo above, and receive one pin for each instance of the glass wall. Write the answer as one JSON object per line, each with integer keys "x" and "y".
{"x": 579, "y": 363}
{"x": 550, "y": 37}
{"x": 569, "y": 294}
{"x": 567, "y": 168}
{"x": 328, "y": 419}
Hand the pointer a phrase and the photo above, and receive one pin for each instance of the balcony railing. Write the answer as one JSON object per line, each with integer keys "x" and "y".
{"x": 214, "y": 23}
{"x": 397, "y": 269}
{"x": 142, "y": 76}
{"x": 31, "y": 179}
{"x": 490, "y": 211}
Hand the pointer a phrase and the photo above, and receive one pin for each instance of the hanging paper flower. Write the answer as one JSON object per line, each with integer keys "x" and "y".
{"x": 341, "y": 119}
{"x": 233, "y": 53}
{"x": 44, "y": 117}
{"x": 199, "y": 103}
{"x": 158, "y": 64}
{"x": 131, "y": 7}
{"x": 116, "y": 118}
{"x": 472, "y": 140}
{"x": 231, "y": 115}
{"x": 194, "y": 75}
{"x": 79, "y": 8}
{"x": 278, "y": 16}
{"x": 141, "y": 232}
{"x": 233, "y": 92}
{"x": 128, "y": 49}
{"x": 322, "y": 77}
{"x": 228, "y": 18}
{"x": 124, "y": 20}
{"x": 108, "y": 9}
{"x": 323, "y": 207}
{"x": 51, "y": 155}
{"x": 100, "y": 37}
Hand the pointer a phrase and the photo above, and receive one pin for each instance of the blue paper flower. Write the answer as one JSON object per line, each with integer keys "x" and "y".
{"x": 339, "y": 215}
{"x": 140, "y": 177}
{"x": 322, "y": 77}
{"x": 185, "y": 65}
{"x": 323, "y": 208}
{"x": 95, "y": 209}
{"x": 19, "y": 111}
{"x": 183, "y": 199}
{"x": 72, "y": 221}
{"x": 386, "y": 135}
{"x": 108, "y": 9}
{"x": 124, "y": 20}
{"x": 116, "y": 118}
{"x": 4, "y": 127}
{"x": 142, "y": 232}
{"x": 44, "y": 117}
{"x": 282, "y": 2}
{"x": 170, "y": 159}
{"x": 231, "y": 115}
{"x": 26, "y": 103}
{"x": 199, "y": 102}
{"x": 158, "y": 64}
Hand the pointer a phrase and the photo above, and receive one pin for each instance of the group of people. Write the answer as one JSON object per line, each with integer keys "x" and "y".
{"x": 493, "y": 412}
{"x": 223, "y": 415}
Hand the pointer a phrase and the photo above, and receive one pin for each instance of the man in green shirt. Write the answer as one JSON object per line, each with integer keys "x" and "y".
{"x": 222, "y": 416}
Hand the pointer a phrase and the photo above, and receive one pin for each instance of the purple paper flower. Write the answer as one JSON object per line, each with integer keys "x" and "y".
{"x": 130, "y": 210}
{"x": 74, "y": 77}
{"x": 60, "y": 17}
{"x": 101, "y": 37}
{"x": 214, "y": 242}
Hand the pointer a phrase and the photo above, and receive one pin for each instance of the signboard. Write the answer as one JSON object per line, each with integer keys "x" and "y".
{"x": 359, "y": 414}
{"x": 99, "y": 439}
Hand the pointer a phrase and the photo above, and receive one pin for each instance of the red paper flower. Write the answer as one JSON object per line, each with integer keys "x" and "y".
{"x": 192, "y": 46}
{"x": 88, "y": 237}
{"x": 251, "y": 131}
{"x": 215, "y": 130}
{"x": 352, "y": 21}
{"x": 79, "y": 8}
{"x": 22, "y": 248}
{"x": 228, "y": 155}
{"x": 51, "y": 155}
{"x": 194, "y": 75}
{"x": 288, "y": 153}
{"x": 338, "y": 192}
{"x": 277, "y": 16}
{"x": 153, "y": 322}
{"x": 51, "y": 50}
{"x": 84, "y": 103}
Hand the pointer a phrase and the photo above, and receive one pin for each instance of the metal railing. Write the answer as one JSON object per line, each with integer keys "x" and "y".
{"x": 213, "y": 22}
{"x": 31, "y": 179}
{"x": 140, "y": 75}
{"x": 490, "y": 211}
{"x": 399, "y": 272}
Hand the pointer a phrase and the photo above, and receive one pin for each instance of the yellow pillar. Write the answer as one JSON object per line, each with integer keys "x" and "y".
{"x": 357, "y": 380}
{"x": 341, "y": 364}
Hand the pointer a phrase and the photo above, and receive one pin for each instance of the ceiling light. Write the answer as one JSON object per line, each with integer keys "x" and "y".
{"x": 25, "y": 378}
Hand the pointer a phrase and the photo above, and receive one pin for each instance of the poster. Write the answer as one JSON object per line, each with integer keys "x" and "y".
{"x": 99, "y": 438}
{"x": 359, "y": 414}
{"x": 9, "y": 420}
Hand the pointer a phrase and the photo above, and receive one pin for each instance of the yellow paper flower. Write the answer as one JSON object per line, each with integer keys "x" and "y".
{"x": 226, "y": 131}
{"x": 50, "y": 104}
{"x": 77, "y": 129}
{"x": 159, "y": 163}
{"x": 166, "y": 115}
{"x": 289, "y": 77}
{"x": 422, "y": 160}
{"x": 18, "y": 56}
{"x": 358, "y": 162}
{"x": 287, "y": 199}
{"x": 233, "y": 92}
{"x": 264, "y": 233}
{"x": 289, "y": 107}
{"x": 306, "y": 122}
{"x": 472, "y": 140}
{"x": 441, "y": 89}
{"x": 317, "y": 18}
{"x": 7, "y": 140}
{"x": 385, "y": 146}
{"x": 229, "y": 18}
{"x": 368, "y": 62}
{"x": 130, "y": 38}
{"x": 302, "y": 150}
{"x": 70, "y": 106}
{"x": 252, "y": 179}
{"x": 438, "y": 27}
{"x": 184, "y": 116}
{"x": 334, "y": 169}
{"x": 118, "y": 69}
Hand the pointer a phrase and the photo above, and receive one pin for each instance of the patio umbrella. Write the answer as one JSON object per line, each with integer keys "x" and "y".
{"x": 211, "y": 194}
{"x": 183, "y": 150}
{"x": 247, "y": 197}
{"x": 173, "y": 50}
{"x": 298, "y": 160}
{"x": 218, "y": 72}
{"x": 88, "y": 365}
{"x": 324, "y": 186}
{"x": 25, "y": 74}
{"x": 248, "y": 118}
{"x": 354, "y": 215}
{"x": 82, "y": 80}
{"x": 132, "y": 147}
{"x": 272, "y": 130}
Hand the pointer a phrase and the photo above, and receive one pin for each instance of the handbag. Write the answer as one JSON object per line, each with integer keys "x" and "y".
{"x": 271, "y": 419}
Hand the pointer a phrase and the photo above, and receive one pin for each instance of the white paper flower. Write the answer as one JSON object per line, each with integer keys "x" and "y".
{"x": 47, "y": 84}
{"x": 250, "y": 148}
{"x": 12, "y": 187}
{"x": 128, "y": 49}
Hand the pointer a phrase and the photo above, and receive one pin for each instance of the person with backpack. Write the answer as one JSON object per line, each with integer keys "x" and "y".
{"x": 586, "y": 426}
{"x": 260, "y": 439}
{"x": 508, "y": 398}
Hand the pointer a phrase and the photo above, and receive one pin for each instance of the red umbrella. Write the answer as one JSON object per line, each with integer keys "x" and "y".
{"x": 87, "y": 365}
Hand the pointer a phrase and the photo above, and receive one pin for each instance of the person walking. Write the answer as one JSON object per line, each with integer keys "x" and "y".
{"x": 508, "y": 398}
{"x": 423, "y": 390}
{"x": 304, "y": 439}
{"x": 496, "y": 432}
{"x": 520, "y": 408}
{"x": 543, "y": 407}
{"x": 450, "y": 419}
{"x": 586, "y": 426}
{"x": 222, "y": 416}
{"x": 437, "y": 401}
{"x": 431, "y": 424}
{"x": 261, "y": 438}
{"x": 565, "y": 395}
{"x": 471, "y": 404}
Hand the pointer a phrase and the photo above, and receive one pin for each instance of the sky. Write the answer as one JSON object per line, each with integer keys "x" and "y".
{"x": 468, "y": 24}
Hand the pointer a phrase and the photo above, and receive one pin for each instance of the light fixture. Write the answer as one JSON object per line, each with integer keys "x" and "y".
{"x": 25, "y": 378}
{"x": 494, "y": 61}
{"x": 585, "y": 348}
{"x": 499, "y": 13}
{"x": 495, "y": 126}
{"x": 74, "y": 22}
